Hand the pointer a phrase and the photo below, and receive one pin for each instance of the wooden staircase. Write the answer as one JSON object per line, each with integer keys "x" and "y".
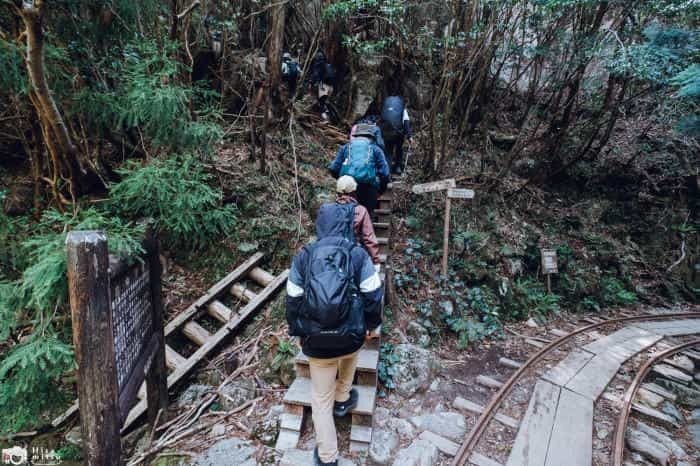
{"x": 297, "y": 400}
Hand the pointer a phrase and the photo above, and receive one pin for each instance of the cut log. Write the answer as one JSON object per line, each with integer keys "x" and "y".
{"x": 173, "y": 358}
{"x": 219, "y": 311}
{"x": 242, "y": 293}
{"x": 261, "y": 277}
{"x": 195, "y": 332}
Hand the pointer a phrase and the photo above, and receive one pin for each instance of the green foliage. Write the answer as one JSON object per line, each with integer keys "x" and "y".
{"x": 175, "y": 193}
{"x": 149, "y": 99}
{"x": 527, "y": 298}
{"x": 70, "y": 452}
{"x": 475, "y": 315}
{"x": 614, "y": 293}
{"x": 30, "y": 374}
{"x": 13, "y": 77}
{"x": 386, "y": 369}
{"x": 30, "y": 371}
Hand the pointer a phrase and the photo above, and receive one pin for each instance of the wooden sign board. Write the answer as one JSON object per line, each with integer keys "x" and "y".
{"x": 454, "y": 193}
{"x": 117, "y": 317}
{"x": 549, "y": 261}
{"x": 434, "y": 186}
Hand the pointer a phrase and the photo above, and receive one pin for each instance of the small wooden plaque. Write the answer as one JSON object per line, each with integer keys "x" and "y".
{"x": 549, "y": 261}
{"x": 434, "y": 186}
{"x": 454, "y": 193}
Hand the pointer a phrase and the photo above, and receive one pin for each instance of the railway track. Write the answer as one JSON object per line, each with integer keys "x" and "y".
{"x": 556, "y": 429}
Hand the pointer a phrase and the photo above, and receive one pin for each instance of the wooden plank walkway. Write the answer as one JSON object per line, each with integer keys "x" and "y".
{"x": 532, "y": 440}
{"x": 572, "y": 432}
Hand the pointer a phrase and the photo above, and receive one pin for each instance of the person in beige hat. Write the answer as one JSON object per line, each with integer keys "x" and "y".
{"x": 346, "y": 188}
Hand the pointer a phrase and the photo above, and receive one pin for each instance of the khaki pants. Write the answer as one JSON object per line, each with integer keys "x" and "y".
{"x": 325, "y": 390}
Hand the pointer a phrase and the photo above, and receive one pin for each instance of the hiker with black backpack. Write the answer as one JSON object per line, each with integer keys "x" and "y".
{"x": 322, "y": 77}
{"x": 396, "y": 126}
{"x": 364, "y": 160}
{"x": 290, "y": 72}
{"x": 334, "y": 296}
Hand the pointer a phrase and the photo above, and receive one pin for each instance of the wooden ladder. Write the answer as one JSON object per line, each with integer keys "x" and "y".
{"x": 249, "y": 286}
{"x": 298, "y": 396}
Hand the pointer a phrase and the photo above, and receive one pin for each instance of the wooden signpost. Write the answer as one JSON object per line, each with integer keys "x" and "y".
{"x": 117, "y": 316}
{"x": 549, "y": 265}
{"x": 452, "y": 193}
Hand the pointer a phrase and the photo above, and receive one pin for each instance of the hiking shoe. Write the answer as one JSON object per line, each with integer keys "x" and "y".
{"x": 342, "y": 409}
{"x": 318, "y": 462}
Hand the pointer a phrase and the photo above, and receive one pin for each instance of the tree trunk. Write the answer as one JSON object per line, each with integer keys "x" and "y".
{"x": 274, "y": 50}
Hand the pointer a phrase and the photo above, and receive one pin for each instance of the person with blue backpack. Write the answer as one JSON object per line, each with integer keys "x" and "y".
{"x": 334, "y": 296}
{"x": 396, "y": 126}
{"x": 364, "y": 160}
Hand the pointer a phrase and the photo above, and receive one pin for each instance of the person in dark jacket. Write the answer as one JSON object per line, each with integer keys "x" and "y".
{"x": 373, "y": 122}
{"x": 367, "y": 193}
{"x": 290, "y": 72}
{"x": 322, "y": 78}
{"x": 396, "y": 126}
{"x": 332, "y": 370}
{"x": 346, "y": 187}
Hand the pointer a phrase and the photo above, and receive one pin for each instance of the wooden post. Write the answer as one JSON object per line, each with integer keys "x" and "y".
{"x": 446, "y": 236}
{"x": 156, "y": 372}
{"x": 88, "y": 288}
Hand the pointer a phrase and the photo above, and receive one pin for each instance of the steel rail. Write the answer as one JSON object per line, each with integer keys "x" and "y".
{"x": 470, "y": 442}
{"x": 619, "y": 444}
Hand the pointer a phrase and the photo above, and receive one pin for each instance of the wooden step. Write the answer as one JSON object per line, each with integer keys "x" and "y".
{"x": 242, "y": 293}
{"x": 382, "y": 240}
{"x": 387, "y": 196}
{"x": 360, "y": 438}
{"x": 382, "y": 211}
{"x": 381, "y": 225}
{"x": 299, "y": 393}
{"x": 261, "y": 277}
{"x": 219, "y": 311}
{"x": 366, "y": 372}
{"x": 173, "y": 358}
{"x": 195, "y": 332}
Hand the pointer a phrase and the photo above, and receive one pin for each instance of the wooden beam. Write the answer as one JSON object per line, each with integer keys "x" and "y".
{"x": 242, "y": 293}
{"x": 261, "y": 277}
{"x": 219, "y": 311}
{"x": 173, "y": 358}
{"x": 195, "y": 332}
{"x": 213, "y": 293}
{"x": 98, "y": 390}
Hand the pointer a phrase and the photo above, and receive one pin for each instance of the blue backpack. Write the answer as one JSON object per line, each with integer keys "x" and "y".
{"x": 359, "y": 162}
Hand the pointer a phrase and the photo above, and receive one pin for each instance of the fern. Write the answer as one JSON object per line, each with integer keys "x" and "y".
{"x": 175, "y": 193}
{"x": 30, "y": 374}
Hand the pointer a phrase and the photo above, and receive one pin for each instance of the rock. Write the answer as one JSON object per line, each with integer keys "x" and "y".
{"x": 75, "y": 437}
{"x": 671, "y": 410}
{"x": 381, "y": 416}
{"x": 662, "y": 437}
{"x": 448, "y": 424}
{"x": 192, "y": 394}
{"x": 655, "y": 414}
{"x": 531, "y": 323}
{"x": 602, "y": 433}
{"x": 694, "y": 416}
{"x": 515, "y": 268}
{"x": 434, "y": 386}
{"x": 384, "y": 442}
{"x": 364, "y": 85}
{"x": 217, "y": 430}
{"x": 648, "y": 447}
{"x": 228, "y": 452}
{"x": 694, "y": 430}
{"x": 418, "y": 334}
{"x": 419, "y": 453}
{"x": 267, "y": 430}
{"x": 448, "y": 447}
{"x": 648, "y": 398}
{"x": 136, "y": 441}
{"x": 402, "y": 427}
{"x": 415, "y": 369}
{"x": 237, "y": 392}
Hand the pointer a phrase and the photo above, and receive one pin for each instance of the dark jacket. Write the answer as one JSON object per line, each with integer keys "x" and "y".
{"x": 366, "y": 279}
{"x": 381, "y": 165}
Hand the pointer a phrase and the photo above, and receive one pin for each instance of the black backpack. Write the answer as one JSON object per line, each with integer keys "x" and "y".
{"x": 332, "y": 309}
{"x": 392, "y": 117}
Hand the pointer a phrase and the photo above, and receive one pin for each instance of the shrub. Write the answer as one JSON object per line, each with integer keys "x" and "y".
{"x": 175, "y": 193}
{"x": 527, "y": 298}
{"x": 614, "y": 293}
